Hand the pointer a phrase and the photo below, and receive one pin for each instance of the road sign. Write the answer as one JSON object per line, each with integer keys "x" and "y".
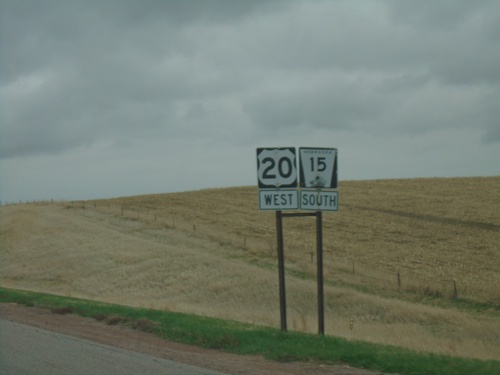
{"x": 278, "y": 183}
{"x": 318, "y": 168}
{"x": 278, "y": 199}
{"x": 319, "y": 200}
{"x": 277, "y": 168}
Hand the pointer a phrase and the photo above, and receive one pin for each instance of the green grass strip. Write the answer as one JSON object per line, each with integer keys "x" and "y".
{"x": 242, "y": 338}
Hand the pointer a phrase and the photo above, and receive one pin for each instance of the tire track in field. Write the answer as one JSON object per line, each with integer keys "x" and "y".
{"x": 430, "y": 218}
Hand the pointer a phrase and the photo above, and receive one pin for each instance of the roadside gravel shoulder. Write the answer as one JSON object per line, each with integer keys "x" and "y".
{"x": 126, "y": 338}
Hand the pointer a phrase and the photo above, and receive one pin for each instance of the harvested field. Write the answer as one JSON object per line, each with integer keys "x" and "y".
{"x": 433, "y": 232}
{"x": 212, "y": 252}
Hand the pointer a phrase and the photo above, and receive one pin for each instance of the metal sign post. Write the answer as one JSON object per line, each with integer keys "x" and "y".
{"x": 319, "y": 257}
{"x": 281, "y": 269}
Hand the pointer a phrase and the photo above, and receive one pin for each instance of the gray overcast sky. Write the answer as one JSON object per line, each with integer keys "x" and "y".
{"x": 121, "y": 97}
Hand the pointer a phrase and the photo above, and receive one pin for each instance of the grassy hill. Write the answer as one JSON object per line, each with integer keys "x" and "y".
{"x": 414, "y": 263}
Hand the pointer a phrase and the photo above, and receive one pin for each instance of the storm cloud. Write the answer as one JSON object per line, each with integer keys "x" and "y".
{"x": 108, "y": 98}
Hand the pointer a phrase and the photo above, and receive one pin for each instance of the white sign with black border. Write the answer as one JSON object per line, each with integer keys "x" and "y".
{"x": 278, "y": 199}
{"x": 319, "y": 200}
{"x": 277, "y": 168}
{"x": 318, "y": 167}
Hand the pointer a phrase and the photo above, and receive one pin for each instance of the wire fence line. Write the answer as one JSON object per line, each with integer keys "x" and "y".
{"x": 395, "y": 280}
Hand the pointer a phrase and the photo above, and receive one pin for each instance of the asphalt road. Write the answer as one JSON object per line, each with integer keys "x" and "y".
{"x": 34, "y": 351}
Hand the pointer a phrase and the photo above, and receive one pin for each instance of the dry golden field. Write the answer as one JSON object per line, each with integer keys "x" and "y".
{"x": 213, "y": 252}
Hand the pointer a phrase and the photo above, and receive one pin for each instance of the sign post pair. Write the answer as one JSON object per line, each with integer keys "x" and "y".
{"x": 278, "y": 182}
